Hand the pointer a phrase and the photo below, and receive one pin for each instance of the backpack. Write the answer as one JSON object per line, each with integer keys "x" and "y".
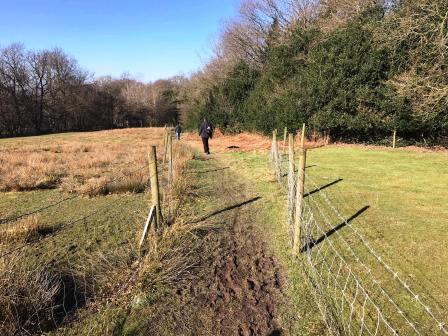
{"x": 208, "y": 130}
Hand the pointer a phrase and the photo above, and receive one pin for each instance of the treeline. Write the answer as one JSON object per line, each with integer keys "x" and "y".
{"x": 47, "y": 91}
{"x": 355, "y": 69}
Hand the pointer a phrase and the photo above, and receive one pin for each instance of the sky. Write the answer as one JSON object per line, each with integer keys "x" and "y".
{"x": 149, "y": 39}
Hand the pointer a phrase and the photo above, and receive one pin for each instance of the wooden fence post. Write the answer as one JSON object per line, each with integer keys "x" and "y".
{"x": 170, "y": 159}
{"x": 277, "y": 162}
{"x": 285, "y": 135}
{"x": 300, "y": 190}
{"x": 394, "y": 141}
{"x": 165, "y": 144}
{"x": 154, "y": 181}
{"x": 146, "y": 227}
{"x": 291, "y": 187}
{"x": 302, "y": 140}
{"x": 274, "y": 145}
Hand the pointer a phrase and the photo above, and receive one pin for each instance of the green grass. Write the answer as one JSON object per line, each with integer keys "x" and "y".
{"x": 299, "y": 315}
{"x": 92, "y": 254}
{"x": 406, "y": 194}
{"x": 86, "y": 244}
{"x": 405, "y": 191}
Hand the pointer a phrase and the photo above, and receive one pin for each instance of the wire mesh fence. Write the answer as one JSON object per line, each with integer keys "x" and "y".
{"x": 356, "y": 288}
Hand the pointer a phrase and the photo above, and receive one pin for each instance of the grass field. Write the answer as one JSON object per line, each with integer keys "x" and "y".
{"x": 88, "y": 267}
{"x": 406, "y": 195}
{"x": 72, "y": 210}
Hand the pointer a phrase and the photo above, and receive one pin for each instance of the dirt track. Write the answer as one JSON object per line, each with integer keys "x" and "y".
{"x": 245, "y": 285}
{"x": 242, "y": 286}
{"x": 236, "y": 287}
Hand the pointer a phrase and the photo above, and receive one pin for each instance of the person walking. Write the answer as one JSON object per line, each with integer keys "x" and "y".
{"x": 206, "y": 132}
{"x": 178, "y": 130}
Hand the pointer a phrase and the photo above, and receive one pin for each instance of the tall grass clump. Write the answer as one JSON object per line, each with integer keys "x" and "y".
{"x": 28, "y": 299}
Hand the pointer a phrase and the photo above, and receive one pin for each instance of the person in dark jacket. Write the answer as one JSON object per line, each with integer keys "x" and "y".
{"x": 206, "y": 132}
{"x": 178, "y": 130}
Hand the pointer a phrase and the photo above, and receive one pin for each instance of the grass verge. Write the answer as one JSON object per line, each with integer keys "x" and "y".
{"x": 404, "y": 223}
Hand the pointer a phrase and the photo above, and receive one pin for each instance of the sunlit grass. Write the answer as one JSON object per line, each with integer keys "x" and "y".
{"x": 76, "y": 162}
{"x": 406, "y": 194}
{"x": 88, "y": 244}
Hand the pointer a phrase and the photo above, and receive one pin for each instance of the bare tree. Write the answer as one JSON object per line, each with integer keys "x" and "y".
{"x": 14, "y": 83}
{"x": 421, "y": 26}
{"x": 39, "y": 81}
{"x": 334, "y": 13}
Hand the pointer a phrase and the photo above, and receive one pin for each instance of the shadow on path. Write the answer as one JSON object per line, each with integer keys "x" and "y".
{"x": 232, "y": 207}
{"x": 209, "y": 171}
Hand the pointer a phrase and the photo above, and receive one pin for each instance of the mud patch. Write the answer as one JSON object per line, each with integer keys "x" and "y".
{"x": 246, "y": 284}
{"x": 239, "y": 290}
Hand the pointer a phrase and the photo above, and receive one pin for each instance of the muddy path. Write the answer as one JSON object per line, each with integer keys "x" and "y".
{"x": 243, "y": 285}
{"x": 238, "y": 285}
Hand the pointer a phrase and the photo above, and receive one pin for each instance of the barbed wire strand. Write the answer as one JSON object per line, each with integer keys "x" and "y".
{"x": 63, "y": 226}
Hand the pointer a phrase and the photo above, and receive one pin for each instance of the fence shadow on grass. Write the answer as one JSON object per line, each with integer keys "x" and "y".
{"x": 309, "y": 245}
{"x": 232, "y": 207}
{"x": 296, "y": 170}
{"x": 323, "y": 187}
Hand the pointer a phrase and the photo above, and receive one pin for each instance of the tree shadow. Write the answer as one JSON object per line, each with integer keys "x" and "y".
{"x": 309, "y": 245}
{"x": 209, "y": 171}
{"x": 232, "y": 207}
{"x": 323, "y": 187}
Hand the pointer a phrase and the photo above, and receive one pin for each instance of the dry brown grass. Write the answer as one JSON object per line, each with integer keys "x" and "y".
{"x": 80, "y": 163}
{"x": 40, "y": 299}
{"x": 248, "y": 142}
{"x": 98, "y": 276}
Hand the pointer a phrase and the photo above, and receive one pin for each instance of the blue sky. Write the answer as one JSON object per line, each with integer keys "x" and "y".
{"x": 149, "y": 39}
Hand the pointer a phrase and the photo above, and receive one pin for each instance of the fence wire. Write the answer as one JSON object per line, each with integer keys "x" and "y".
{"x": 84, "y": 254}
{"x": 68, "y": 198}
{"x": 357, "y": 291}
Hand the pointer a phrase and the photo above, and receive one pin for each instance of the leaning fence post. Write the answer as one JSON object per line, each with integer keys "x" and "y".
{"x": 154, "y": 181}
{"x": 146, "y": 227}
{"x": 300, "y": 190}
{"x": 394, "y": 140}
{"x": 291, "y": 187}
